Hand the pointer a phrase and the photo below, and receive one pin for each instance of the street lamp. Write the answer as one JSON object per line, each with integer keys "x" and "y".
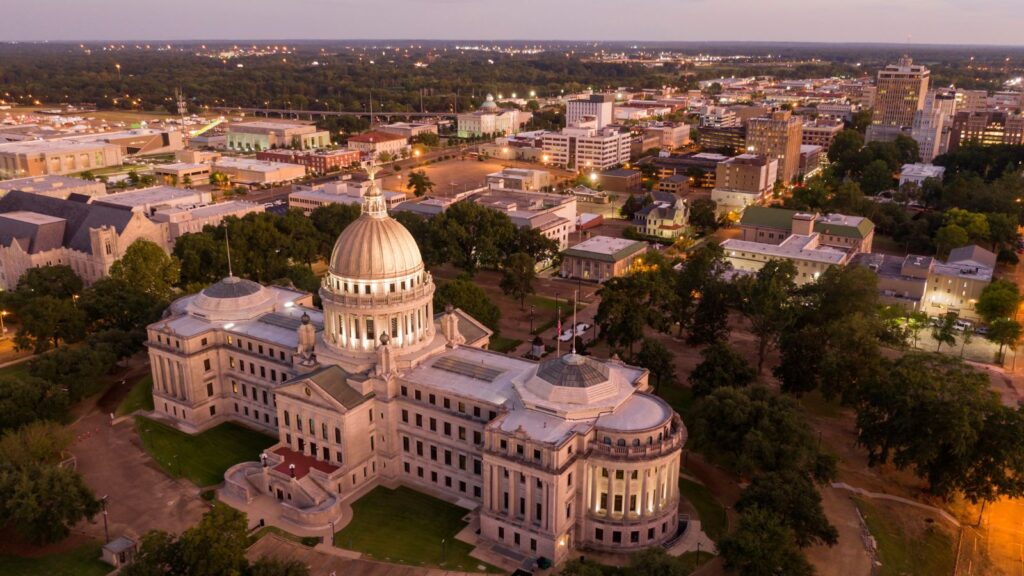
{"x": 74, "y": 299}
{"x": 3, "y": 329}
{"x": 332, "y": 532}
{"x": 118, "y": 66}
{"x": 106, "y": 529}
{"x": 532, "y": 308}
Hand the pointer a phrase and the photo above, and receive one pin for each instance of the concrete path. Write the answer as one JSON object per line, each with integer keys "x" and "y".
{"x": 882, "y": 496}
{"x": 848, "y": 557}
{"x": 693, "y": 539}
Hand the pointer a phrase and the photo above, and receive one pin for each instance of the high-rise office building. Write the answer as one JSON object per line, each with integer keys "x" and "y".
{"x": 986, "y": 129}
{"x": 777, "y": 136}
{"x": 901, "y": 91}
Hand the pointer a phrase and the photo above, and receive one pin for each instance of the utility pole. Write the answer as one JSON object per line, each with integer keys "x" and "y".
{"x": 106, "y": 529}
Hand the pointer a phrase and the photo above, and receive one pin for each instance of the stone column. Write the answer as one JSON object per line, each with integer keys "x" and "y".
{"x": 625, "y": 493}
{"x": 643, "y": 494}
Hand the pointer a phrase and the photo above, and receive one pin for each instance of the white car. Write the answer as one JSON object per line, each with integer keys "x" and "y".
{"x": 567, "y": 335}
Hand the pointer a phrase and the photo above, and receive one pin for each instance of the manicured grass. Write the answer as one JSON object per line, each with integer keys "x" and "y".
{"x": 693, "y": 560}
{"x": 712, "y": 515}
{"x": 202, "y": 458}
{"x": 406, "y": 527}
{"x": 16, "y": 370}
{"x": 504, "y": 345}
{"x": 139, "y": 398}
{"x": 678, "y": 396}
{"x": 82, "y": 561}
{"x": 931, "y": 551}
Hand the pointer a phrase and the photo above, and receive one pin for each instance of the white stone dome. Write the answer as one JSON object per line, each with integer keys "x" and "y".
{"x": 375, "y": 248}
{"x": 232, "y": 299}
{"x": 489, "y": 103}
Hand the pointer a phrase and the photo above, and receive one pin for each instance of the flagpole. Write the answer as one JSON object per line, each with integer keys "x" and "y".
{"x": 575, "y": 299}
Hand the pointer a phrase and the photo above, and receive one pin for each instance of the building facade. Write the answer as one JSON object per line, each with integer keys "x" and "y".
{"x": 319, "y": 162}
{"x": 743, "y": 181}
{"x": 601, "y": 258}
{"x": 900, "y": 92}
{"x": 778, "y": 136}
{"x": 377, "y": 389}
{"x": 599, "y": 107}
{"x": 266, "y": 134}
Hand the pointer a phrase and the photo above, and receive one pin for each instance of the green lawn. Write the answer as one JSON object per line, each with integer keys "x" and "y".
{"x": 678, "y": 396}
{"x": 712, "y": 515}
{"x": 82, "y": 561}
{"x": 16, "y": 370}
{"x": 504, "y": 345}
{"x": 140, "y": 397}
{"x": 202, "y": 458}
{"x": 930, "y": 552}
{"x": 305, "y": 541}
{"x": 406, "y": 527}
{"x": 693, "y": 560}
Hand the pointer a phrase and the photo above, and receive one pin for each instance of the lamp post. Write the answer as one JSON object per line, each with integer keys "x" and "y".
{"x": 106, "y": 529}
{"x": 263, "y": 459}
{"x": 118, "y": 66}
{"x": 532, "y": 308}
{"x": 332, "y": 532}
{"x": 3, "y": 329}
{"x": 444, "y": 550}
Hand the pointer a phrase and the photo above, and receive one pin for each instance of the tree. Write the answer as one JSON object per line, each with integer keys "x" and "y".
{"x": 945, "y": 331}
{"x": 203, "y": 258}
{"x": 217, "y": 544}
{"x": 58, "y": 281}
{"x": 517, "y": 277}
{"x": 877, "y": 178}
{"x": 710, "y": 320}
{"x": 617, "y": 315}
{"x": 26, "y": 399}
{"x": 330, "y": 220}
{"x": 721, "y": 366}
{"x": 464, "y": 294}
{"x": 845, "y": 144}
{"x": 763, "y": 545}
{"x": 78, "y": 370}
{"x": 146, "y": 266}
{"x": 219, "y": 179}
{"x": 765, "y": 299}
{"x": 975, "y": 224}
{"x": 1000, "y": 299}
{"x": 112, "y": 304}
{"x": 47, "y": 321}
{"x": 39, "y": 442}
{"x": 1005, "y": 332}
{"x": 419, "y": 183}
{"x": 704, "y": 215}
{"x": 43, "y": 502}
{"x": 949, "y": 237}
{"x": 793, "y": 497}
{"x": 658, "y": 360}
{"x": 938, "y": 416}
{"x": 752, "y": 431}
{"x": 473, "y": 235}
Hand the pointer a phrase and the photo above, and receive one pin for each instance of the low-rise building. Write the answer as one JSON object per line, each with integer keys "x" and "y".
{"x": 918, "y": 173}
{"x": 191, "y": 219}
{"x": 701, "y": 168}
{"x": 676, "y": 184}
{"x": 183, "y": 173}
{"x": 258, "y": 172}
{"x": 821, "y": 133}
{"x": 728, "y": 140}
{"x": 56, "y": 157}
{"x": 318, "y": 161}
{"x": 620, "y": 180}
{"x": 375, "y": 143}
{"x": 811, "y": 160}
{"x": 775, "y": 225}
{"x": 266, "y": 134}
{"x": 309, "y": 198}
{"x": 408, "y": 129}
{"x": 669, "y": 134}
{"x": 520, "y": 179}
{"x": 667, "y": 216}
{"x": 148, "y": 200}
{"x": 744, "y": 180}
{"x": 44, "y": 231}
{"x": 805, "y": 251}
{"x": 54, "y": 186}
{"x": 601, "y": 258}
{"x": 553, "y": 215}
{"x": 490, "y": 120}
{"x": 926, "y": 284}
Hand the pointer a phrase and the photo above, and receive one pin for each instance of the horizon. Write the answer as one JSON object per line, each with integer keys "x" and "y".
{"x": 910, "y": 22}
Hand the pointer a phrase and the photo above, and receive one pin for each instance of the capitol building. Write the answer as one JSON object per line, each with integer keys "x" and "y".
{"x": 380, "y": 389}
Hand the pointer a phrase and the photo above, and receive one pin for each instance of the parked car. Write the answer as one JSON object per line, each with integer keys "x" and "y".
{"x": 961, "y": 325}
{"x": 982, "y": 329}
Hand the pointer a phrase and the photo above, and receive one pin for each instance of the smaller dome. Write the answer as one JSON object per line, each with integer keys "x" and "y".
{"x": 573, "y": 371}
{"x": 232, "y": 299}
{"x": 489, "y": 103}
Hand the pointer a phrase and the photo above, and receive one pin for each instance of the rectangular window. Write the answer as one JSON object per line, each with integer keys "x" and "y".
{"x": 206, "y": 365}
{"x": 209, "y": 389}
{"x": 405, "y": 416}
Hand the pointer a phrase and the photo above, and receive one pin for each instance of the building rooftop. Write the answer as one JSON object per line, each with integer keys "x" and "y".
{"x": 80, "y": 217}
{"x": 606, "y": 248}
{"x": 830, "y": 224}
{"x": 797, "y": 246}
{"x": 248, "y": 164}
{"x": 376, "y": 136}
{"x": 45, "y": 184}
{"x": 149, "y": 196}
